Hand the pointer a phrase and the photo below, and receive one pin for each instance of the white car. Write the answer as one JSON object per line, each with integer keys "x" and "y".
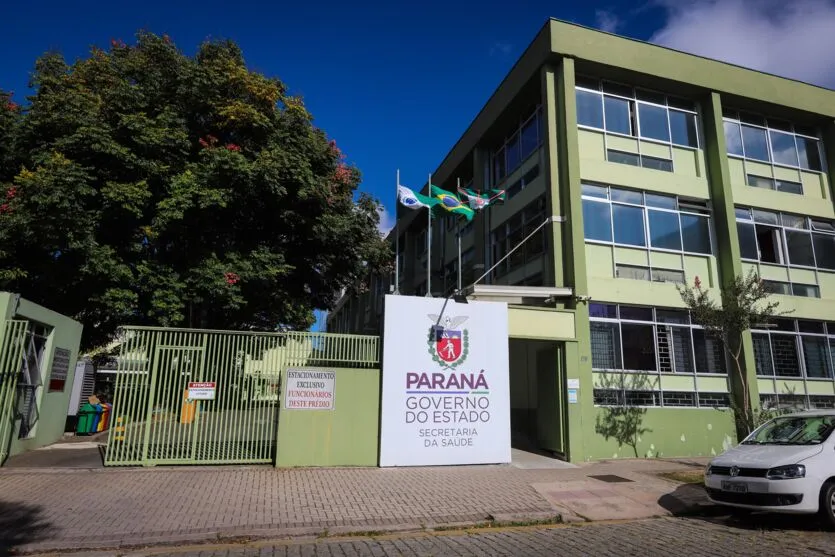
{"x": 787, "y": 465}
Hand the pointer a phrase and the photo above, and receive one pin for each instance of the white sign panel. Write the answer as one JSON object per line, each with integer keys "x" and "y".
{"x": 309, "y": 389}
{"x": 446, "y": 387}
{"x": 202, "y": 391}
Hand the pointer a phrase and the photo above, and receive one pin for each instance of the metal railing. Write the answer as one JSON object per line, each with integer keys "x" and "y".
{"x": 155, "y": 422}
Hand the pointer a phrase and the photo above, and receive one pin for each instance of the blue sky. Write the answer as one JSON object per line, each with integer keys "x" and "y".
{"x": 396, "y": 86}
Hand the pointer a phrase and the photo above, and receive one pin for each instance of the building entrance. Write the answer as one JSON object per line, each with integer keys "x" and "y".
{"x": 537, "y": 397}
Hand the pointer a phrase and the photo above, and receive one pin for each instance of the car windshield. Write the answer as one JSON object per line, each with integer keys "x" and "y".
{"x": 793, "y": 430}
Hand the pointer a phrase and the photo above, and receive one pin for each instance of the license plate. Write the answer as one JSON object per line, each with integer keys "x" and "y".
{"x": 735, "y": 487}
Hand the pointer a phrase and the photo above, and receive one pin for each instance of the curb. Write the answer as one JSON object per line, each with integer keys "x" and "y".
{"x": 157, "y": 542}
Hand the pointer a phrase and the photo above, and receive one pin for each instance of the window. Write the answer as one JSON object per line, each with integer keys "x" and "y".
{"x": 634, "y": 218}
{"x": 785, "y": 239}
{"x": 779, "y": 143}
{"x": 523, "y": 182}
{"x": 772, "y": 184}
{"x": 513, "y": 232}
{"x": 792, "y": 289}
{"x": 653, "y": 341}
{"x": 634, "y": 159}
{"x": 624, "y": 110}
{"x": 523, "y": 140}
{"x": 635, "y": 338}
{"x": 796, "y": 349}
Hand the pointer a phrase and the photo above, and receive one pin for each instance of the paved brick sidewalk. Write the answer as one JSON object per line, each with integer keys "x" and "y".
{"x": 59, "y": 509}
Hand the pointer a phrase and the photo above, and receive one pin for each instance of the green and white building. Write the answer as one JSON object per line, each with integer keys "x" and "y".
{"x": 630, "y": 168}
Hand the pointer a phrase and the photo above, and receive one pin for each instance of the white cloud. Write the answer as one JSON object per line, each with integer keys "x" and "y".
{"x": 501, "y": 48}
{"x": 794, "y": 38}
{"x": 607, "y": 21}
{"x": 387, "y": 221}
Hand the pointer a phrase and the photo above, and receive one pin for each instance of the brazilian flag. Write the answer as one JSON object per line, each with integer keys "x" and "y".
{"x": 449, "y": 202}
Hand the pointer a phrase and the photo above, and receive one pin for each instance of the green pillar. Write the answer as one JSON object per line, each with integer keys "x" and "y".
{"x": 724, "y": 223}
{"x": 570, "y": 255}
{"x": 829, "y": 147}
{"x": 553, "y": 273}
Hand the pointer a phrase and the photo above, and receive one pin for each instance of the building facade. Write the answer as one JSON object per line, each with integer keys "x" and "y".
{"x": 631, "y": 168}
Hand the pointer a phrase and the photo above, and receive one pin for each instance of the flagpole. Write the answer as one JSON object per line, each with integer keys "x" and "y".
{"x": 429, "y": 241}
{"x": 397, "y": 236}
{"x": 458, "y": 235}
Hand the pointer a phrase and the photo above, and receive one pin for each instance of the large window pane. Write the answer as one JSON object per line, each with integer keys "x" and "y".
{"x": 589, "y": 109}
{"x": 664, "y": 230}
{"x": 747, "y": 240}
{"x": 756, "y": 146}
{"x": 514, "y": 156}
{"x": 629, "y": 225}
{"x": 638, "y": 347}
{"x": 653, "y": 122}
{"x": 696, "y": 233}
{"x": 783, "y": 148}
{"x": 530, "y": 136}
{"x": 683, "y": 128}
{"x": 824, "y": 250}
{"x": 710, "y": 358}
{"x": 597, "y": 222}
{"x": 733, "y": 138}
{"x": 605, "y": 346}
{"x": 816, "y": 357}
{"x": 682, "y": 350}
{"x": 762, "y": 354}
{"x": 618, "y": 118}
{"x": 799, "y": 246}
{"x": 784, "y": 352}
{"x": 810, "y": 156}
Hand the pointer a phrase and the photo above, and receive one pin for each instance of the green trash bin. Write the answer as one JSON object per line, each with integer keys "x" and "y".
{"x": 86, "y": 416}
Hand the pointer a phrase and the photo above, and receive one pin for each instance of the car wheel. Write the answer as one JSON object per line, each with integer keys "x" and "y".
{"x": 827, "y": 504}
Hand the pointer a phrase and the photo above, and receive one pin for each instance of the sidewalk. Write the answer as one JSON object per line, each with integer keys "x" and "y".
{"x": 53, "y": 508}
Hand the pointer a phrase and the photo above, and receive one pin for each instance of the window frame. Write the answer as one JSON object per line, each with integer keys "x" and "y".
{"x": 689, "y": 325}
{"x": 734, "y": 117}
{"x": 785, "y": 259}
{"x": 635, "y": 120}
{"x": 646, "y": 208}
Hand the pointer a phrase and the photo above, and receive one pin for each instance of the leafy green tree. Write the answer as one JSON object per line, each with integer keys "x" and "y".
{"x": 150, "y": 187}
{"x": 743, "y": 303}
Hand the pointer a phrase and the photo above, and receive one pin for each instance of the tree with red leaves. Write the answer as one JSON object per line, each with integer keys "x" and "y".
{"x": 143, "y": 186}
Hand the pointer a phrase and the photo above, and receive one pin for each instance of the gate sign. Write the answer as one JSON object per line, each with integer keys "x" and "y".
{"x": 446, "y": 384}
{"x": 202, "y": 391}
{"x": 309, "y": 389}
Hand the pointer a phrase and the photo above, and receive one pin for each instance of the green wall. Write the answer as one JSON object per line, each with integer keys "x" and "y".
{"x": 658, "y": 432}
{"x": 52, "y": 406}
{"x": 348, "y": 435}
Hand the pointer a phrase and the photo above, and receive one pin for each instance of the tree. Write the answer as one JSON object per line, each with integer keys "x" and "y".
{"x": 150, "y": 187}
{"x": 745, "y": 302}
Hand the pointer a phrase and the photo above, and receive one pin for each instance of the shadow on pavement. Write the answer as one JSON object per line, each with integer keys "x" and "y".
{"x": 690, "y": 501}
{"x": 86, "y": 458}
{"x": 20, "y": 524}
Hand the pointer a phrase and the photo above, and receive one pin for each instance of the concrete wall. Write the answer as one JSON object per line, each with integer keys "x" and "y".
{"x": 52, "y": 406}
{"x": 348, "y": 435}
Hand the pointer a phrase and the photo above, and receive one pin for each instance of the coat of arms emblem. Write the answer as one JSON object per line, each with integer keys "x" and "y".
{"x": 448, "y": 343}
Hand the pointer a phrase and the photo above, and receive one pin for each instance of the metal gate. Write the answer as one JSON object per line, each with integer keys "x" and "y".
{"x": 185, "y": 396}
{"x": 12, "y": 342}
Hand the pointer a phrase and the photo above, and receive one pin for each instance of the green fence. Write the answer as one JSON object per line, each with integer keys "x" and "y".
{"x": 185, "y": 396}
{"x": 12, "y": 341}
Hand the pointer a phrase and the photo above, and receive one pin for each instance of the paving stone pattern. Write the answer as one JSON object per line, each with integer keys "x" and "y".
{"x": 662, "y": 537}
{"x": 119, "y": 507}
